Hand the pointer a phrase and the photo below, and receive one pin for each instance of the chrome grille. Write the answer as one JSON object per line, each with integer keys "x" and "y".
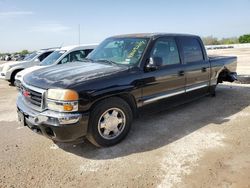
{"x": 33, "y": 96}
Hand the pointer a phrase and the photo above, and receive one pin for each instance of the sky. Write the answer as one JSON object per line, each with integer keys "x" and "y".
{"x": 29, "y": 24}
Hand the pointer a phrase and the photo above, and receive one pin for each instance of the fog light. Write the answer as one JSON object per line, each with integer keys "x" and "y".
{"x": 67, "y": 107}
{"x": 68, "y": 120}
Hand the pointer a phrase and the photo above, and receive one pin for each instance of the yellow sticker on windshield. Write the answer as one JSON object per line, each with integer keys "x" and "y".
{"x": 134, "y": 50}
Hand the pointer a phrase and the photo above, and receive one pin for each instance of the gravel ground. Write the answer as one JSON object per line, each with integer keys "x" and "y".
{"x": 204, "y": 143}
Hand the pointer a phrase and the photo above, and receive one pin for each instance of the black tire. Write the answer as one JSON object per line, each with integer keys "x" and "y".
{"x": 12, "y": 78}
{"x": 94, "y": 135}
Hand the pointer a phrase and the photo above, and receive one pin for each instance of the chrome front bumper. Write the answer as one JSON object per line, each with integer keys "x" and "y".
{"x": 62, "y": 127}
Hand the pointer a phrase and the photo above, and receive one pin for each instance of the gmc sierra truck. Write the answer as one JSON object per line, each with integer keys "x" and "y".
{"x": 97, "y": 99}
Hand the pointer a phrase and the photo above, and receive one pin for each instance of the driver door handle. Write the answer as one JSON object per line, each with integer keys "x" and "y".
{"x": 181, "y": 73}
{"x": 204, "y": 69}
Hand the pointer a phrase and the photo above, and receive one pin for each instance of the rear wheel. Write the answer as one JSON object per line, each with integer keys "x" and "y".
{"x": 110, "y": 122}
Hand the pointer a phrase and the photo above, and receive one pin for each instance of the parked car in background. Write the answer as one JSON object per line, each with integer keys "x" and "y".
{"x": 18, "y": 57}
{"x": 98, "y": 99}
{"x": 59, "y": 56}
{"x": 9, "y": 70}
{"x": 2, "y": 58}
{"x": 7, "y": 57}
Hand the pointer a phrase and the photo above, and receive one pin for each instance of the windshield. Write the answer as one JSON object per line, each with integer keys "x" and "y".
{"x": 127, "y": 51}
{"x": 52, "y": 58}
{"x": 30, "y": 56}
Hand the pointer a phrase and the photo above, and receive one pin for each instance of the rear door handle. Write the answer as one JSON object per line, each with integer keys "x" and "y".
{"x": 181, "y": 73}
{"x": 204, "y": 69}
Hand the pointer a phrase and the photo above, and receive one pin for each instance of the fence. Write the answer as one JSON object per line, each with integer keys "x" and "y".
{"x": 214, "y": 47}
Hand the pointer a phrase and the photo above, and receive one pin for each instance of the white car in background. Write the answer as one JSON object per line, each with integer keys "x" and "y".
{"x": 60, "y": 56}
{"x": 9, "y": 70}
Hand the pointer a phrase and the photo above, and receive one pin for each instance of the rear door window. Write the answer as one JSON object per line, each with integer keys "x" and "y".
{"x": 192, "y": 51}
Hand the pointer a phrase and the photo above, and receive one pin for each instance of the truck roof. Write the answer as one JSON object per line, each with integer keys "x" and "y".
{"x": 151, "y": 35}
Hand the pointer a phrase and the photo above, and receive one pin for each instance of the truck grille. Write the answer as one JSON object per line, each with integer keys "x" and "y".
{"x": 33, "y": 96}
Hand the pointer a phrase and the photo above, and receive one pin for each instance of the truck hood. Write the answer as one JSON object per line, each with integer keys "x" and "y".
{"x": 63, "y": 76}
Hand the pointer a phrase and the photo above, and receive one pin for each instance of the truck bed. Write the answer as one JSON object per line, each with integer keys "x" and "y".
{"x": 223, "y": 68}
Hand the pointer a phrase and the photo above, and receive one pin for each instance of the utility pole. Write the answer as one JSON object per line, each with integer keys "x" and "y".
{"x": 79, "y": 34}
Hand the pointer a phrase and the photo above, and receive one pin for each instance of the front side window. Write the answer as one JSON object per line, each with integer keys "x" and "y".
{"x": 49, "y": 60}
{"x": 66, "y": 59}
{"x": 44, "y": 55}
{"x": 77, "y": 55}
{"x": 166, "y": 49}
{"x": 192, "y": 50}
{"x": 74, "y": 56}
{"x": 127, "y": 51}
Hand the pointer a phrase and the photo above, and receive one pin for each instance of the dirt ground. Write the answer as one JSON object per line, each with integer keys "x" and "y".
{"x": 205, "y": 143}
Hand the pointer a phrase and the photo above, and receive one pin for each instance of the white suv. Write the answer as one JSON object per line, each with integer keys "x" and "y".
{"x": 60, "y": 56}
{"x": 9, "y": 70}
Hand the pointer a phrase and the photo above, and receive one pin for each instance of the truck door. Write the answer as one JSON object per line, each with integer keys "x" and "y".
{"x": 169, "y": 79}
{"x": 197, "y": 67}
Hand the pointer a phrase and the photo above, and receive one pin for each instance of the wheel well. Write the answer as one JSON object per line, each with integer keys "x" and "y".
{"x": 14, "y": 73}
{"x": 126, "y": 97}
{"x": 225, "y": 75}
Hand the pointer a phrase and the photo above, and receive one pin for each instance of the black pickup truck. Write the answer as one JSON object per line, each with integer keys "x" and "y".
{"x": 98, "y": 98}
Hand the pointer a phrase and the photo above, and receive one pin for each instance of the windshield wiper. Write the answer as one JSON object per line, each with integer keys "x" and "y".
{"x": 106, "y": 61}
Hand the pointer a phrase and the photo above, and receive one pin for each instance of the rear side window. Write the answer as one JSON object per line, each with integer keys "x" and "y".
{"x": 192, "y": 50}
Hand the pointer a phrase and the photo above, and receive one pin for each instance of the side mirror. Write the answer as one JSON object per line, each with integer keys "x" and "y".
{"x": 154, "y": 63}
{"x": 37, "y": 61}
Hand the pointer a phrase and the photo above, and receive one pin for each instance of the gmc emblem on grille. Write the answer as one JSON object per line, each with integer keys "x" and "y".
{"x": 26, "y": 93}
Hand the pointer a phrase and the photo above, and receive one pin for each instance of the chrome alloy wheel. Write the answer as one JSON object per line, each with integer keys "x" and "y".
{"x": 111, "y": 123}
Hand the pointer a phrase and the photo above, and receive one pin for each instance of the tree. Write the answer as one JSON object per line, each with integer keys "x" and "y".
{"x": 24, "y": 52}
{"x": 244, "y": 38}
{"x": 232, "y": 40}
{"x": 210, "y": 40}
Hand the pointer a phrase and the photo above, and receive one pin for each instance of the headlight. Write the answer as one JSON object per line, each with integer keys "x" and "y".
{"x": 6, "y": 68}
{"x": 62, "y": 100}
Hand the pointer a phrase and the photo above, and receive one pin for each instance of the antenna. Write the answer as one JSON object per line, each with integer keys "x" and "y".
{"x": 79, "y": 34}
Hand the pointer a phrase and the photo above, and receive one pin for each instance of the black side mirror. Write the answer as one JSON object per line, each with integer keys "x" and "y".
{"x": 154, "y": 63}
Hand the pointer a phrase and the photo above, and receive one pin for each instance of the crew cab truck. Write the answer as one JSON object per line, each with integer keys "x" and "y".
{"x": 9, "y": 70}
{"x": 99, "y": 98}
{"x": 61, "y": 55}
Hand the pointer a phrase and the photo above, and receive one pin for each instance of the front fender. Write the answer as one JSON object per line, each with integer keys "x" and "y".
{"x": 12, "y": 70}
{"x": 125, "y": 92}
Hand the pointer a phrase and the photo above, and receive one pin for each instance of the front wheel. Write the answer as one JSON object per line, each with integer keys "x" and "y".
{"x": 110, "y": 122}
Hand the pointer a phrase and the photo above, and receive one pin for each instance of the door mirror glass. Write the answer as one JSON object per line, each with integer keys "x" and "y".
{"x": 154, "y": 63}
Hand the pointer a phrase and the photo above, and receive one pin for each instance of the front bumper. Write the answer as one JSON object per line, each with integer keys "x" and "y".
{"x": 3, "y": 76}
{"x": 61, "y": 127}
